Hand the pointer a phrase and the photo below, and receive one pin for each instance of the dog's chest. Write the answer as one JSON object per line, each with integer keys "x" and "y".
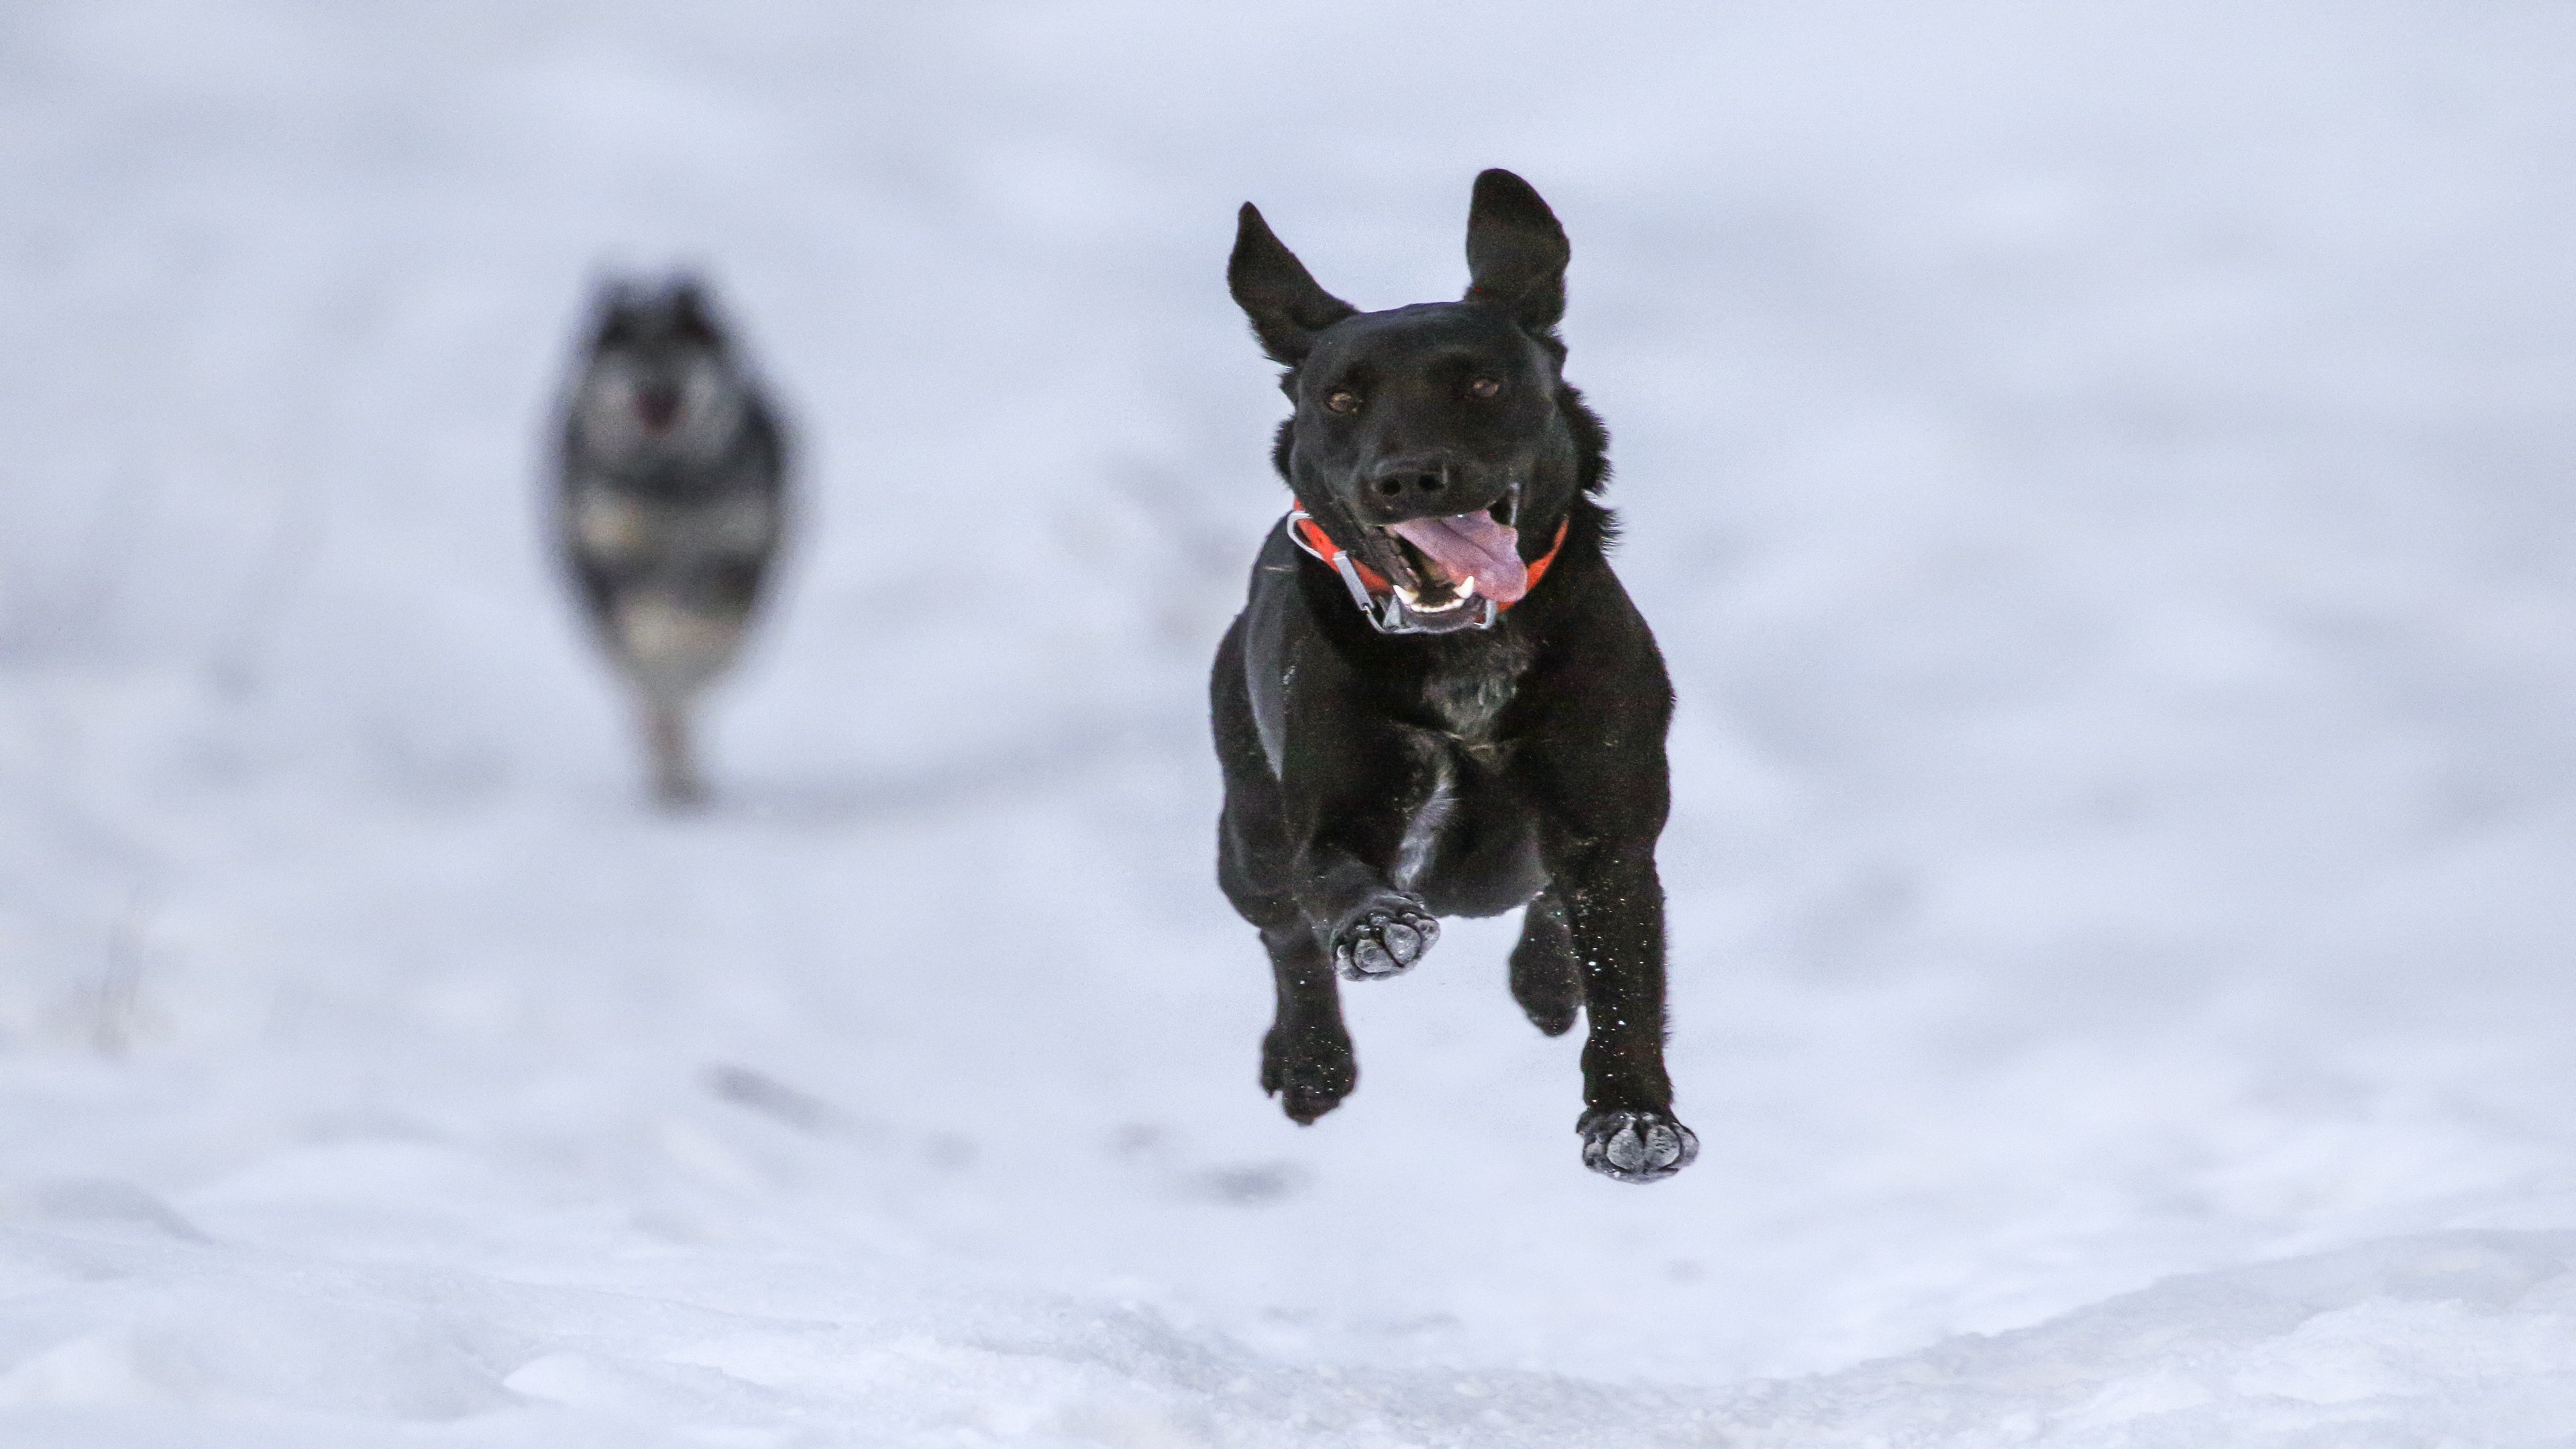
{"x": 1469, "y": 710}
{"x": 1468, "y": 705}
{"x": 1468, "y": 698}
{"x": 608, "y": 524}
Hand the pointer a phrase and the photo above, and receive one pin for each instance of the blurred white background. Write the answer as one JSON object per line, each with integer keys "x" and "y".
{"x": 2100, "y": 474}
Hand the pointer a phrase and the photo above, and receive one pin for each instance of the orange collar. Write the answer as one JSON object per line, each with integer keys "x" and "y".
{"x": 1309, "y": 535}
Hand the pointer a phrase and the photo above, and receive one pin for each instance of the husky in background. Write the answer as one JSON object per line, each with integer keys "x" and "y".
{"x": 671, "y": 504}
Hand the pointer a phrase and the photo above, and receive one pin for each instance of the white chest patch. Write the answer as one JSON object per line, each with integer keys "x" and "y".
{"x": 611, "y": 525}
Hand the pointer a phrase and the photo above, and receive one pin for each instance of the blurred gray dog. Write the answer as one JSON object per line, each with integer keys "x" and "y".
{"x": 671, "y": 505}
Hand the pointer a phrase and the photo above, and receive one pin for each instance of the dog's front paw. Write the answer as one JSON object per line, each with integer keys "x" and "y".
{"x": 1310, "y": 1072}
{"x": 1383, "y": 938}
{"x": 1636, "y": 1146}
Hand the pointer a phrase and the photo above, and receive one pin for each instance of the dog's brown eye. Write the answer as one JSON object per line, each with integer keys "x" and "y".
{"x": 1484, "y": 387}
{"x": 1342, "y": 400}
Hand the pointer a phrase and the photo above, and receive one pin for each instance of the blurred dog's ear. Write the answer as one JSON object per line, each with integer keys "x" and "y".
{"x": 693, "y": 316}
{"x": 1516, "y": 252}
{"x": 1276, "y": 291}
{"x": 613, "y": 301}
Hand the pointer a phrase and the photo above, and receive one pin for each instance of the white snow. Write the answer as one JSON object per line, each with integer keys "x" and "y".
{"x": 2101, "y": 474}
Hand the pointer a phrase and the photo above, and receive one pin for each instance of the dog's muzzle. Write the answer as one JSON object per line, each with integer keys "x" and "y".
{"x": 1378, "y": 586}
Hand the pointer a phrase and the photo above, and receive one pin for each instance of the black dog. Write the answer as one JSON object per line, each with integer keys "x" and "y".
{"x": 1438, "y": 700}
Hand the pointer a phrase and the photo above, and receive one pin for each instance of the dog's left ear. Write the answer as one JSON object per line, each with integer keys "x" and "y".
{"x": 692, "y": 312}
{"x": 1516, "y": 252}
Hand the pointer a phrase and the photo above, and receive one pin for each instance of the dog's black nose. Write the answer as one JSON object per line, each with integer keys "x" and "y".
{"x": 1410, "y": 485}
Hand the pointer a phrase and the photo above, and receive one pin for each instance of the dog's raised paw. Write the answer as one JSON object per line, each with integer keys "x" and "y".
{"x": 1636, "y": 1146}
{"x": 1309, "y": 1073}
{"x": 1384, "y": 940}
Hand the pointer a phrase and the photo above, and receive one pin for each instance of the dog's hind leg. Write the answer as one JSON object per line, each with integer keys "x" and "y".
{"x": 1615, "y": 915}
{"x": 1547, "y": 981}
{"x": 676, "y": 783}
{"x": 1595, "y": 770}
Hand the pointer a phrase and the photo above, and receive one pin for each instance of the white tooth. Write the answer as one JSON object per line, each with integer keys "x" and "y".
{"x": 1414, "y": 602}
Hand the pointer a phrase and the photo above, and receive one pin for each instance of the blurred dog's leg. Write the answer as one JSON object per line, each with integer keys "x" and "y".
{"x": 676, "y": 784}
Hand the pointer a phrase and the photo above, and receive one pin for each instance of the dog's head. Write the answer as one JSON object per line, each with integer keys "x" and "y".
{"x": 1431, "y": 440}
{"x": 660, "y": 380}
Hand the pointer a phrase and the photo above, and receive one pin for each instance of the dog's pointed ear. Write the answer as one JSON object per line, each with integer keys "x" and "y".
{"x": 1516, "y": 252}
{"x": 1276, "y": 291}
{"x": 612, "y": 295}
{"x": 693, "y": 313}
{"x": 612, "y": 309}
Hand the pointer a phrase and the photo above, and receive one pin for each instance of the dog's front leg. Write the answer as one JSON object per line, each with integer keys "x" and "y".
{"x": 1354, "y": 784}
{"x": 1369, "y": 929}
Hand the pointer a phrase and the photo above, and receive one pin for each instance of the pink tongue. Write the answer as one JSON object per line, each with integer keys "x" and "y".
{"x": 1472, "y": 546}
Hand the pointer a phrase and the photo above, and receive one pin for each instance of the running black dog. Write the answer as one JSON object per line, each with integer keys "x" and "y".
{"x": 1438, "y": 700}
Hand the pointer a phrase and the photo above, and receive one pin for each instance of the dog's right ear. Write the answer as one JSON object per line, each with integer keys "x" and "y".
{"x": 612, "y": 310}
{"x": 1276, "y": 291}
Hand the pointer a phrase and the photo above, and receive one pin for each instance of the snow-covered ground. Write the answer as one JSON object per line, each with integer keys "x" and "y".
{"x": 2101, "y": 473}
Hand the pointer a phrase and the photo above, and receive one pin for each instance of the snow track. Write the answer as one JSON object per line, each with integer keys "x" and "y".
{"x": 2100, "y": 476}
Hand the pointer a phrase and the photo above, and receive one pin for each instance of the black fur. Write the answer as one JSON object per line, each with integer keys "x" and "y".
{"x": 1377, "y": 781}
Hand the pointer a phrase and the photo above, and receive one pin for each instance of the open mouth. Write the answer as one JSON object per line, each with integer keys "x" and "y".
{"x": 1440, "y": 564}
{"x": 657, "y": 408}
